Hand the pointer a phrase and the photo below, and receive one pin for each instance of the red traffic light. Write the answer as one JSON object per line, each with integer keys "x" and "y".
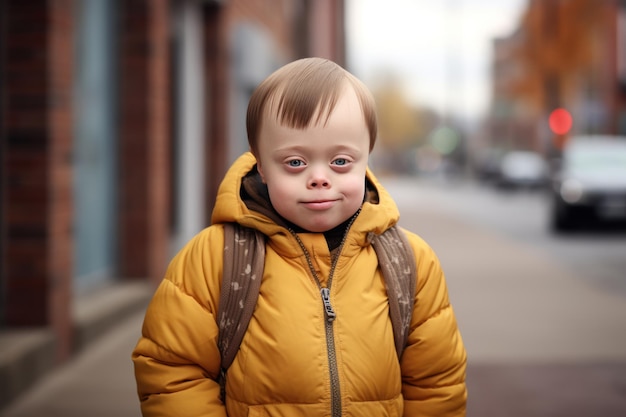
{"x": 560, "y": 121}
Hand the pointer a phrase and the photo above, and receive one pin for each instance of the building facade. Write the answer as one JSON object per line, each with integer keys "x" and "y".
{"x": 118, "y": 121}
{"x": 567, "y": 54}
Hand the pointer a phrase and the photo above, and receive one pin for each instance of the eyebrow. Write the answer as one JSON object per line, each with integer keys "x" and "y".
{"x": 304, "y": 148}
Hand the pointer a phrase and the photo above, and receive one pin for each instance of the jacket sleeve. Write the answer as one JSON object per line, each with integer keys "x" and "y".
{"x": 176, "y": 359}
{"x": 434, "y": 360}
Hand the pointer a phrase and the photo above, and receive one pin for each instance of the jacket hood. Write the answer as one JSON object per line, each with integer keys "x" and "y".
{"x": 375, "y": 216}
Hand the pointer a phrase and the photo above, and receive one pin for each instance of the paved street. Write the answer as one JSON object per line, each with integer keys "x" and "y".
{"x": 98, "y": 383}
{"x": 541, "y": 342}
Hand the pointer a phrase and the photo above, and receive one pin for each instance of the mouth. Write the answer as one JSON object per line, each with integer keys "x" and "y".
{"x": 319, "y": 204}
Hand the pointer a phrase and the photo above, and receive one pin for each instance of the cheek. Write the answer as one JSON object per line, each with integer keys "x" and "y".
{"x": 355, "y": 182}
{"x": 277, "y": 192}
{"x": 356, "y": 187}
{"x": 283, "y": 198}
{"x": 280, "y": 187}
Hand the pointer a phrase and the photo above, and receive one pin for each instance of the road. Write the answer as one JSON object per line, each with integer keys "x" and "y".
{"x": 597, "y": 254}
{"x": 542, "y": 316}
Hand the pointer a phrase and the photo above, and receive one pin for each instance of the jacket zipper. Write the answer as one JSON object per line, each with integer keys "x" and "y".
{"x": 331, "y": 315}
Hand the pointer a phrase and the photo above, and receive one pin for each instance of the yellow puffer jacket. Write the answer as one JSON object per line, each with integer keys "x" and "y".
{"x": 286, "y": 362}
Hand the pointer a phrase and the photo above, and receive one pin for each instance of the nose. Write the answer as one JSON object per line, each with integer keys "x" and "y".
{"x": 318, "y": 179}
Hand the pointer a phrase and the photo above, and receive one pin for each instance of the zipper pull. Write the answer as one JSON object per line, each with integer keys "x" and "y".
{"x": 328, "y": 308}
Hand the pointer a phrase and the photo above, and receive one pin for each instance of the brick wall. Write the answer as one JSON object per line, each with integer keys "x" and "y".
{"x": 144, "y": 139}
{"x": 36, "y": 114}
{"x": 278, "y": 17}
{"x": 59, "y": 177}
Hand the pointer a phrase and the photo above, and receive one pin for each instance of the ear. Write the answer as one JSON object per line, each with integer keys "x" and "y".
{"x": 259, "y": 168}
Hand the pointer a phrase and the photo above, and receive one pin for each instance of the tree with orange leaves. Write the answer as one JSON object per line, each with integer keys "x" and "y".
{"x": 556, "y": 47}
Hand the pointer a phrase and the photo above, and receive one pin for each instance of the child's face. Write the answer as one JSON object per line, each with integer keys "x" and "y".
{"x": 316, "y": 176}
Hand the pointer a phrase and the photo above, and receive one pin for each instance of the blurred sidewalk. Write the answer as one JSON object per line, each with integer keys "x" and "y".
{"x": 98, "y": 380}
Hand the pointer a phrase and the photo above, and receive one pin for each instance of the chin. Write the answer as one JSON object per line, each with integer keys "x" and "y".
{"x": 322, "y": 227}
{"x": 314, "y": 227}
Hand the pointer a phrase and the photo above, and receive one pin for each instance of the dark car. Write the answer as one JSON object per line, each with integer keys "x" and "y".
{"x": 590, "y": 183}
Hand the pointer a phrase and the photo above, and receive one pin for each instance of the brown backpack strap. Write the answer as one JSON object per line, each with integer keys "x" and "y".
{"x": 244, "y": 259}
{"x": 397, "y": 263}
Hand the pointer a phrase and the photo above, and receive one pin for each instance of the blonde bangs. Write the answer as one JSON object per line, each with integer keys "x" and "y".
{"x": 303, "y": 93}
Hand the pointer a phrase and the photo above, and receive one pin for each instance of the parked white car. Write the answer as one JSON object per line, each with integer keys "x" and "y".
{"x": 523, "y": 169}
{"x": 590, "y": 184}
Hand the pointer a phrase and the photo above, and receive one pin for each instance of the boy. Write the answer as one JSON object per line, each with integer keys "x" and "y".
{"x": 306, "y": 186}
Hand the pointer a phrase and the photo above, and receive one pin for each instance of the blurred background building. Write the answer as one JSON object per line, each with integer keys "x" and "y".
{"x": 564, "y": 54}
{"x": 552, "y": 54}
{"x": 118, "y": 121}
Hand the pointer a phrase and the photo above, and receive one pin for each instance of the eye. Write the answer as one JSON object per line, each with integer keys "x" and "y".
{"x": 340, "y": 161}
{"x": 295, "y": 163}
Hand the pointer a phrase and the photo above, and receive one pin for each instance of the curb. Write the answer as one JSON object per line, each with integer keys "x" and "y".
{"x": 26, "y": 355}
